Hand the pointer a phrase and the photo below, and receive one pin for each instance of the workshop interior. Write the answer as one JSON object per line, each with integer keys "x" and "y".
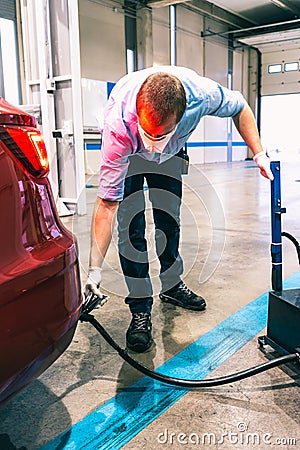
{"x": 227, "y": 377}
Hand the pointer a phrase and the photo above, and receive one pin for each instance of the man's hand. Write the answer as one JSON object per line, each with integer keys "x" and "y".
{"x": 263, "y": 162}
{"x": 93, "y": 295}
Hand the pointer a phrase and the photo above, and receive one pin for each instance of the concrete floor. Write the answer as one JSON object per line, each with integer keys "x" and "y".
{"x": 94, "y": 400}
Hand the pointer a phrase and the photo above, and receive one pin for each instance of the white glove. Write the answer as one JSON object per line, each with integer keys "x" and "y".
{"x": 263, "y": 162}
{"x": 92, "y": 287}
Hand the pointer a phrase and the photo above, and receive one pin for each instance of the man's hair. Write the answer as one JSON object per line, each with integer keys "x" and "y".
{"x": 161, "y": 95}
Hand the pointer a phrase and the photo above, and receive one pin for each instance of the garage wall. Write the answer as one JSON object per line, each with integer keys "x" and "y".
{"x": 102, "y": 41}
{"x": 240, "y": 82}
{"x": 103, "y": 58}
{"x": 161, "y": 36}
{"x": 215, "y": 67}
{"x": 214, "y": 139}
{"x": 189, "y": 41}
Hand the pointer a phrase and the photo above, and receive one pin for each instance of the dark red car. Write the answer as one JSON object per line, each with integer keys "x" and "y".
{"x": 40, "y": 292}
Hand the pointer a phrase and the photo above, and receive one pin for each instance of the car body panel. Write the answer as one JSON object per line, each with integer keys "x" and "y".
{"x": 40, "y": 290}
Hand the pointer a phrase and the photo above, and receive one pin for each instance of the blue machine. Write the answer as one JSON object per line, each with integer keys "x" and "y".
{"x": 283, "y": 328}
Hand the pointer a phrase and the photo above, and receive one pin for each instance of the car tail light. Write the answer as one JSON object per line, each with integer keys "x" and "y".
{"x": 27, "y": 147}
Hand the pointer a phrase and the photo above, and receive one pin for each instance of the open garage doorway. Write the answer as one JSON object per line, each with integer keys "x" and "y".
{"x": 280, "y": 126}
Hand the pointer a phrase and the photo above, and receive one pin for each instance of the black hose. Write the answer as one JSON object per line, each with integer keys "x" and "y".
{"x": 294, "y": 241}
{"x": 86, "y": 317}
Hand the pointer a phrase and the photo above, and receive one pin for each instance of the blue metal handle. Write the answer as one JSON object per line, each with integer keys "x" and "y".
{"x": 276, "y": 211}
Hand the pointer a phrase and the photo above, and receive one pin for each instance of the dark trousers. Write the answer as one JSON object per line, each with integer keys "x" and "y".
{"x": 165, "y": 193}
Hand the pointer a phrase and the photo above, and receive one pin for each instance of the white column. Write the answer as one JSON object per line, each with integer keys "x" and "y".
{"x": 77, "y": 104}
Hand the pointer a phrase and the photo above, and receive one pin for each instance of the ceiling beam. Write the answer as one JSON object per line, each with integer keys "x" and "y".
{"x": 163, "y": 3}
{"x": 207, "y": 9}
{"x": 277, "y": 27}
{"x": 214, "y": 11}
{"x": 286, "y": 5}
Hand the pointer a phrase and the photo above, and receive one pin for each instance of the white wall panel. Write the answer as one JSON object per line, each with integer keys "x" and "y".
{"x": 209, "y": 142}
{"x": 215, "y": 53}
{"x": 189, "y": 41}
{"x": 245, "y": 72}
{"x": 239, "y": 151}
{"x": 238, "y": 70}
{"x": 196, "y": 147}
{"x": 215, "y": 154}
{"x": 102, "y": 42}
{"x": 59, "y": 22}
{"x": 216, "y": 62}
{"x": 161, "y": 36}
{"x": 216, "y": 67}
{"x": 215, "y": 132}
{"x": 144, "y": 38}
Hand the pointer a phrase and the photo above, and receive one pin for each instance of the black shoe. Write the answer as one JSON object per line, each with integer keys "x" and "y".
{"x": 184, "y": 297}
{"x": 138, "y": 336}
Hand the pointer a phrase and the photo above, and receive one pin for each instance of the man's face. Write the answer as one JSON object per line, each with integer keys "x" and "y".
{"x": 157, "y": 131}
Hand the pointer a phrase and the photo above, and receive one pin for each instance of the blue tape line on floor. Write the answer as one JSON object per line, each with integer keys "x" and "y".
{"x": 117, "y": 421}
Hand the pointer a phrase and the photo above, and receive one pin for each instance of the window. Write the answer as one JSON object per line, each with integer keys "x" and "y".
{"x": 290, "y": 67}
{"x": 274, "y": 68}
{"x": 8, "y": 60}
